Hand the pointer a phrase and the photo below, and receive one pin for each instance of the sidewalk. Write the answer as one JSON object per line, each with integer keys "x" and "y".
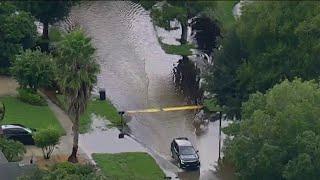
{"x": 8, "y": 86}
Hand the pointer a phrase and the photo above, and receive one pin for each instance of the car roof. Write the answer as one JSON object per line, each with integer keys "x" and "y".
{"x": 9, "y": 126}
{"x": 183, "y": 142}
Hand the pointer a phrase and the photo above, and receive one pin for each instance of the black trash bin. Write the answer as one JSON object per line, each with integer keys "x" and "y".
{"x": 102, "y": 93}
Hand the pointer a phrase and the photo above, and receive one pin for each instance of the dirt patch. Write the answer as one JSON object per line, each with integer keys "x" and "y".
{"x": 8, "y": 86}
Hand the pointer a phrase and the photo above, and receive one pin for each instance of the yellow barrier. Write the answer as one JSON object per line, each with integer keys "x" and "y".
{"x": 166, "y": 109}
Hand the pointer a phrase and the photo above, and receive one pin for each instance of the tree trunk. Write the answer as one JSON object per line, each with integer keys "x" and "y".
{"x": 75, "y": 129}
{"x": 2, "y": 113}
{"x": 45, "y": 37}
{"x": 184, "y": 33}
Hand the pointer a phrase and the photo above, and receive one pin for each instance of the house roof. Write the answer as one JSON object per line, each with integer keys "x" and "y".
{"x": 13, "y": 170}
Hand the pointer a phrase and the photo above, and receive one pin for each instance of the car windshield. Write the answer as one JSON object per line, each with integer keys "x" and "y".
{"x": 28, "y": 130}
{"x": 187, "y": 150}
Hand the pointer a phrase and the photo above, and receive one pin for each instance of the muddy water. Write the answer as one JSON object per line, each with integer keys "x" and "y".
{"x": 136, "y": 73}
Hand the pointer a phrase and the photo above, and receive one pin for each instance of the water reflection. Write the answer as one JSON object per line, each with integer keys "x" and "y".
{"x": 190, "y": 175}
{"x": 186, "y": 79}
{"x": 206, "y": 33}
{"x": 223, "y": 171}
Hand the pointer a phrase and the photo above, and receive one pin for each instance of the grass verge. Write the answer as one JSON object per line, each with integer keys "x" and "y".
{"x": 101, "y": 108}
{"x": 182, "y": 50}
{"x": 38, "y": 117}
{"x": 127, "y": 166}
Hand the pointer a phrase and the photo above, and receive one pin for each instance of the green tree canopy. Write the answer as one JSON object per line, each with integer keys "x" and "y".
{"x": 221, "y": 79}
{"x": 17, "y": 31}
{"x": 284, "y": 45}
{"x": 176, "y": 10}
{"x": 47, "y": 12}
{"x": 76, "y": 72}
{"x": 273, "y": 41}
{"x": 33, "y": 69}
{"x": 279, "y": 136}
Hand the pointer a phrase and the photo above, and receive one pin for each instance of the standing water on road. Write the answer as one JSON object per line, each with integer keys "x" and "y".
{"x": 137, "y": 73}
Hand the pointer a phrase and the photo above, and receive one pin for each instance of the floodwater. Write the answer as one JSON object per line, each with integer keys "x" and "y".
{"x": 107, "y": 136}
{"x": 136, "y": 74}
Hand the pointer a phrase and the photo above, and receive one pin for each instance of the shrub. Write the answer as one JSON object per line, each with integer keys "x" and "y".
{"x": 13, "y": 150}
{"x": 66, "y": 170}
{"x": 47, "y": 139}
{"x": 31, "y": 97}
{"x": 71, "y": 168}
{"x": 55, "y": 34}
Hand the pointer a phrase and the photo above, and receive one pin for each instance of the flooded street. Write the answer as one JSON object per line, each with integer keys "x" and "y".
{"x": 109, "y": 136}
{"x": 137, "y": 73}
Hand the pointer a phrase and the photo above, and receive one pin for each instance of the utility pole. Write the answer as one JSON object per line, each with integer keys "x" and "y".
{"x": 220, "y": 117}
{"x": 121, "y": 135}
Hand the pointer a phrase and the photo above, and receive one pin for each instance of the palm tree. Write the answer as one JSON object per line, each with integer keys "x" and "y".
{"x": 76, "y": 71}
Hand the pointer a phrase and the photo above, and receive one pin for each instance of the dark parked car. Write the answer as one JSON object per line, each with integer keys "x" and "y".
{"x": 184, "y": 153}
{"x": 19, "y": 132}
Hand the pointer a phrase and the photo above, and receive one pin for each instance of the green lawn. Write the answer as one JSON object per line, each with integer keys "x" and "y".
{"x": 182, "y": 50}
{"x": 38, "y": 117}
{"x": 224, "y": 12}
{"x": 127, "y": 166}
{"x": 101, "y": 108}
